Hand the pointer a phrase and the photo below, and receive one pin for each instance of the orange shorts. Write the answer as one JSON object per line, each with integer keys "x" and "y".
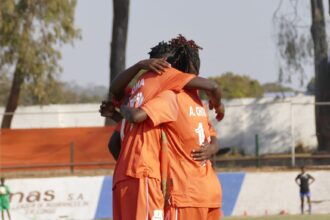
{"x": 192, "y": 213}
{"x": 138, "y": 199}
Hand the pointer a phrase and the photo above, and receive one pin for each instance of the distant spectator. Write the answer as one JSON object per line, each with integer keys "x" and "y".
{"x": 304, "y": 180}
{"x": 4, "y": 199}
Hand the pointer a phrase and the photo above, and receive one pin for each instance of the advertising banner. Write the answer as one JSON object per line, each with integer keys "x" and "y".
{"x": 55, "y": 198}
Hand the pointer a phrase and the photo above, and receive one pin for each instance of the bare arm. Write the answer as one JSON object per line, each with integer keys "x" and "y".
{"x": 209, "y": 86}
{"x": 212, "y": 90}
{"x": 312, "y": 178}
{"x": 120, "y": 82}
{"x": 297, "y": 180}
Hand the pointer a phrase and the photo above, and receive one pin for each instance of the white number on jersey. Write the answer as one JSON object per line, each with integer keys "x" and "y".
{"x": 200, "y": 132}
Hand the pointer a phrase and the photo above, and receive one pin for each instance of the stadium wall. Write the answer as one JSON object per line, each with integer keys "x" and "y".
{"x": 52, "y": 148}
{"x": 255, "y": 194}
{"x": 280, "y": 123}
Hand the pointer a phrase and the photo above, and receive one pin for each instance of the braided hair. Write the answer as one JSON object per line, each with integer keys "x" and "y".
{"x": 162, "y": 50}
{"x": 186, "y": 57}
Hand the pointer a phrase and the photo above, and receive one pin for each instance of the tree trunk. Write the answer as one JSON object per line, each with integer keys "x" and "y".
{"x": 322, "y": 75}
{"x": 119, "y": 39}
{"x": 18, "y": 79}
{"x": 13, "y": 98}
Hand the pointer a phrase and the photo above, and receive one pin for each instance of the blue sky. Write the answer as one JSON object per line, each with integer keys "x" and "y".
{"x": 236, "y": 35}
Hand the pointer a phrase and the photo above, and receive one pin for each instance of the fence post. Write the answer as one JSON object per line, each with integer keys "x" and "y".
{"x": 71, "y": 157}
{"x": 257, "y": 150}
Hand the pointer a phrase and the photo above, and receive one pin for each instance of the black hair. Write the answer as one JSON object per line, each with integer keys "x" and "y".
{"x": 180, "y": 53}
{"x": 186, "y": 57}
{"x": 162, "y": 50}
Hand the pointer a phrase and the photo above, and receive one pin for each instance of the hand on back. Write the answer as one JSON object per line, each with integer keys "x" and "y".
{"x": 205, "y": 152}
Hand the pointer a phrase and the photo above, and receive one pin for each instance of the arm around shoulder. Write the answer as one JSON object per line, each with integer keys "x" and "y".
{"x": 210, "y": 87}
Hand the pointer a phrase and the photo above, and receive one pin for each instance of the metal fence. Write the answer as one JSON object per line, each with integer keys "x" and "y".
{"x": 266, "y": 131}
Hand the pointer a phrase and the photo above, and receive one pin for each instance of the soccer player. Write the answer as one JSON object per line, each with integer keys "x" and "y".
{"x": 304, "y": 180}
{"x": 137, "y": 173}
{"x": 192, "y": 190}
{"x": 4, "y": 199}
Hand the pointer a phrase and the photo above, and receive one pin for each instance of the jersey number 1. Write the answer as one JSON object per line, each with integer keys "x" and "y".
{"x": 200, "y": 132}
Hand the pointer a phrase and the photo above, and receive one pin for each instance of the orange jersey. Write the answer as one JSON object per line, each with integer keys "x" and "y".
{"x": 188, "y": 183}
{"x": 139, "y": 154}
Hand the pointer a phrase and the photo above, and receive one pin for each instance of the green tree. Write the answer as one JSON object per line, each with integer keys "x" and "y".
{"x": 56, "y": 93}
{"x": 297, "y": 46}
{"x": 236, "y": 86}
{"x": 4, "y": 88}
{"x": 30, "y": 33}
{"x": 275, "y": 87}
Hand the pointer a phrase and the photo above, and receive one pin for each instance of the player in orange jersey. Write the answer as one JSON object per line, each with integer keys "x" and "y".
{"x": 193, "y": 191}
{"x": 205, "y": 206}
{"x": 137, "y": 172}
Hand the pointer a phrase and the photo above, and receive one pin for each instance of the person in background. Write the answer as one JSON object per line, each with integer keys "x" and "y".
{"x": 304, "y": 180}
{"x": 4, "y": 199}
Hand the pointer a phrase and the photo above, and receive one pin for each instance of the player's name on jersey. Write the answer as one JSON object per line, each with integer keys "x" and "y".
{"x": 197, "y": 111}
{"x": 137, "y": 85}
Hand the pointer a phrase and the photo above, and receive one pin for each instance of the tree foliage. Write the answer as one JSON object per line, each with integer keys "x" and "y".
{"x": 276, "y": 87}
{"x": 4, "y": 88}
{"x": 31, "y": 32}
{"x": 57, "y": 93}
{"x": 296, "y": 47}
{"x": 293, "y": 41}
{"x": 236, "y": 86}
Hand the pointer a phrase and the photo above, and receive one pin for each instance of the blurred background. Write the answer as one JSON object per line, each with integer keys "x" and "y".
{"x": 270, "y": 58}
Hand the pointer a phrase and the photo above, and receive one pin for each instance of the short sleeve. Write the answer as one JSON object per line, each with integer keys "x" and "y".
{"x": 175, "y": 80}
{"x": 162, "y": 109}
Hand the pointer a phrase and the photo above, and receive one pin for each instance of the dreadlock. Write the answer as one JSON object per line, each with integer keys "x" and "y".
{"x": 186, "y": 57}
{"x": 161, "y": 50}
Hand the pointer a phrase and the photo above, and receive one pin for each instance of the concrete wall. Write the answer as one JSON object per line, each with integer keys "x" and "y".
{"x": 273, "y": 193}
{"x": 57, "y": 116}
{"x": 253, "y": 194}
{"x": 270, "y": 118}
